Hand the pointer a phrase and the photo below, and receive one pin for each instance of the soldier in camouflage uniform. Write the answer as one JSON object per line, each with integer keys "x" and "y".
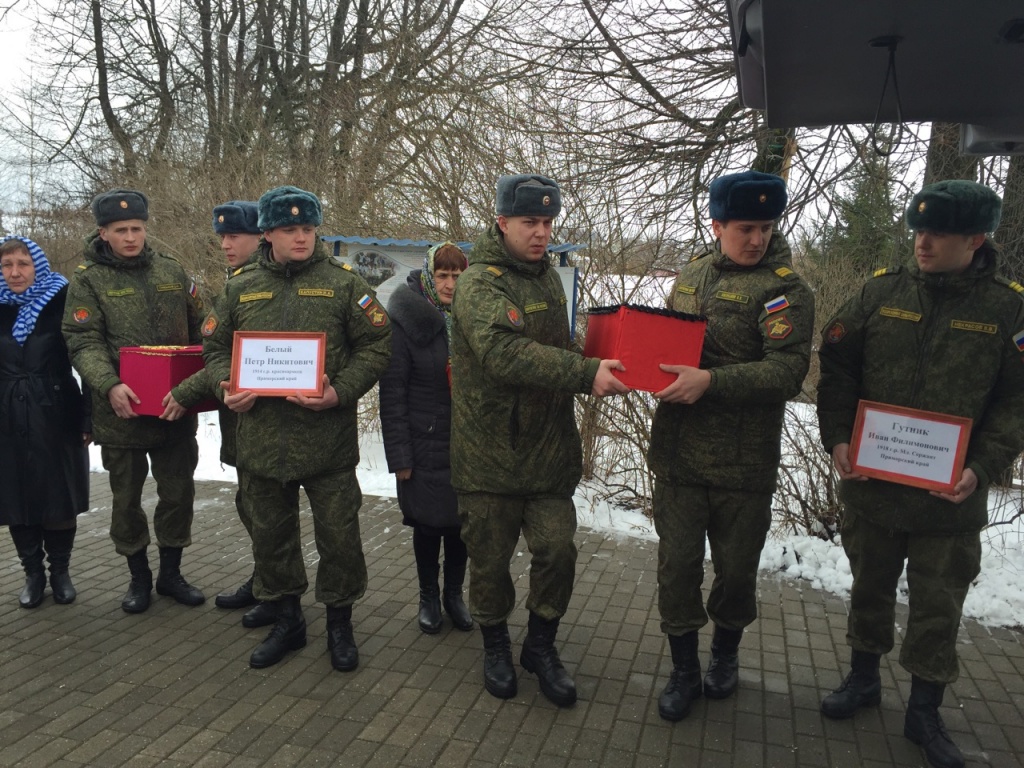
{"x": 236, "y": 222}
{"x": 126, "y": 294}
{"x": 516, "y": 454}
{"x": 716, "y": 432}
{"x": 312, "y": 442}
{"x": 945, "y": 334}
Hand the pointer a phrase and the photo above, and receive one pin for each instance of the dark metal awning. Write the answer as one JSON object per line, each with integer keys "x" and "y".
{"x": 824, "y": 62}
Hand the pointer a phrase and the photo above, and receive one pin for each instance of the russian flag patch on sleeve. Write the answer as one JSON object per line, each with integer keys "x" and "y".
{"x": 365, "y": 301}
{"x": 777, "y": 304}
{"x": 1019, "y": 341}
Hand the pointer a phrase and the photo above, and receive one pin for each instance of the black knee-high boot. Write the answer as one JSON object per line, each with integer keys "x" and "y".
{"x": 28, "y": 540}
{"x": 455, "y": 558}
{"x": 58, "y": 545}
{"x": 427, "y": 549}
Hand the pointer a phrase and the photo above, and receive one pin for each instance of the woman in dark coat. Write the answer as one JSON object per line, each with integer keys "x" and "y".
{"x": 415, "y": 414}
{"x": 44, "y": 422}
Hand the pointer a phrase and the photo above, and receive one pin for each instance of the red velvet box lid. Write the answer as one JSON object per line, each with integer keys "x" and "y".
{"x": 642, "y": 338}
{"x": 152, "y": 372}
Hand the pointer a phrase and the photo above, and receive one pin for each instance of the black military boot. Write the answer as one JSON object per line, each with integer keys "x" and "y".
{"x": 58, "y": 545}
{"x": 429, "y": 616}
{"x": 341, "y": 640}
{"x": 861, "y": 688}
{"x": 684, "y": 684}
{"x": 539, "y": 656}
{"x": 240, "y": 598}
{"x": 170, "y": 582}
{"x": 136, "y": 599}
{"x": 454, "y": 605}
{"x": 923, "y": 725}
{"x": 28, "y": 540}
{"x": 260, "y": 615}
{"x": 723, "y": 671}
{"x": 499, "y": 674}
{"x": 288, "y": 634}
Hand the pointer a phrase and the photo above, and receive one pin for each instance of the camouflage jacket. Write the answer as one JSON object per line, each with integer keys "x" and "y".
{"x": 227, "y": 419}
{"x": 757, "y": 347}
{"x": 953, "y": 344}
{"x": 514, "y": 374}
{"x": 282, "y": 440}
{"x": 112, "y": 303}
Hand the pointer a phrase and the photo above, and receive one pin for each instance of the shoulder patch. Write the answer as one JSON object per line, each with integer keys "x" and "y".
{"x": 1010, "y": 283}
{"x": 341, "y": 264}
{"x": 835, "y": 333}
{"x": 886, "y": 271}
{"x": 697, "y": 257}
{"x": 85, "y": 266}
{"x": 779, "y": 327}
{"x": 785, "y": 272}
{"x": 496, "y": 271}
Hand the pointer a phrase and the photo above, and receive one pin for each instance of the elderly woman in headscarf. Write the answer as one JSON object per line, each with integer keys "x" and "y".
{"x": 415, "y": 414}
{"x": 44, "y": 422}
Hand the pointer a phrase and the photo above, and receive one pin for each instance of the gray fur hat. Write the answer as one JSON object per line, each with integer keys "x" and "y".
{"x": 747, "y": 196}
{"x": 237, "y": 217}
{"x": 956, "y": 206}
{"x": 528, "y": 195}
{"x": 289, "y": 207}
{"x": 120, "y": 205}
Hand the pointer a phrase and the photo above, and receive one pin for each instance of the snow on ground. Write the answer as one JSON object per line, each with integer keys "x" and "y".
{"x": 996, "y": 598}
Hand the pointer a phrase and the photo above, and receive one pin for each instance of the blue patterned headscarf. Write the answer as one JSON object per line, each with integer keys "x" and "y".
{"x": 31, "y": 302}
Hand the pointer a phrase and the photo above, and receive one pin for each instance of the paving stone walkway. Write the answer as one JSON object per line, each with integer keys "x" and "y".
{"x": 88, "y": 685}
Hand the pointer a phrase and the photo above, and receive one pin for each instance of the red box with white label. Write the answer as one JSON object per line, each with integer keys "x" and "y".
{"x": 642, "y": 338}
{"x": 152, "y": 372}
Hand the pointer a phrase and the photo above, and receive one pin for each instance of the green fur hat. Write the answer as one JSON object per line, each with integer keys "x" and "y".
{"x": 957, "y": 207}
{"x": 238, "y": 217}
{"x": 525, "y": 194}
{"x": 288, "y": 207}
{"x": 119, "y": 205}
{"x": 747, "y": 196}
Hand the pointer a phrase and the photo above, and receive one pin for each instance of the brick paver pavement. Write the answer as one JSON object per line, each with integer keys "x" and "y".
{"x": 87, "y": 684}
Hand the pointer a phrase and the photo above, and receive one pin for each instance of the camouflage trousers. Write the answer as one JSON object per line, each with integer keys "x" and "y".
{"x": 173, "y": 467}
{"x": 940, "y": 569}
{"x": 735, "y": 523}
{"x": 273, "y": 509}
{"x": 243, "y": 511}
{"x": 491, "y": 525}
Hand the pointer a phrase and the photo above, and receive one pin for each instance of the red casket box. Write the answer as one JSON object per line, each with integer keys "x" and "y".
{"x": 152, "y": 372}
{"x": 642, "y": 338}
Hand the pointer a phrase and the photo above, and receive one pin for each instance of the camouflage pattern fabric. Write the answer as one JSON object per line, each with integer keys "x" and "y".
{"x": 173, "y": 466}
{"x": 736, "y": 524}
{"x": 490, "y": 528}
{"x": 940, "y": 570}
{"x": 282, "y": 446}
{"x": 514, "y": 375}
{"x": 757, "y": 347}
{"x": 277, "y": 439}
{"x": 939, "y": 342}
{"x": 114, "y": 303}
{"x": 335, "y": 499}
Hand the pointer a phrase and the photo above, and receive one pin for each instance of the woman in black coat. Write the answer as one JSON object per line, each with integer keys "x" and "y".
{"x": 416, "y": 415}
{"x": 44, "y": 422}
